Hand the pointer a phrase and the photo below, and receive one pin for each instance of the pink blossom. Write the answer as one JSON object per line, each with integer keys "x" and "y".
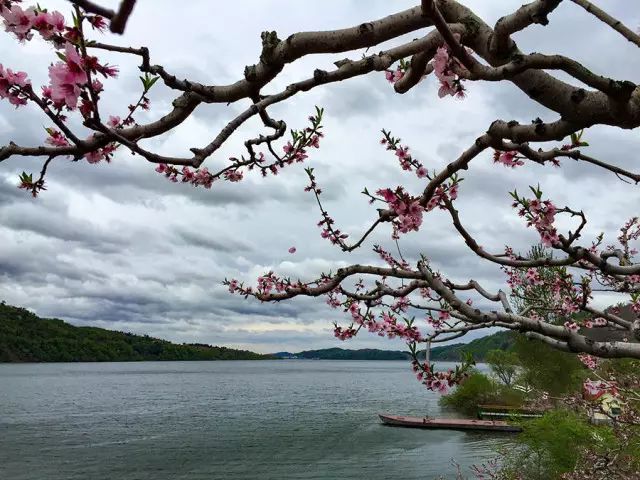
{"x": 453, "y": 192}
{"x": 402, "y": 152}
{"x": 98, "y": 22}
{"x": 67, "y": 78}
{"x": 446, "y": 89}
{"x": 97, "y": 86}
{"x": 344, "y": 334}
{"x": 114, "y": 121}
{"x": 314, "y": 141}
{"x": 111, "y": 71}
{"x": 233, "y": 175}
{"x": 508, "y": 159}
{"x": 233, "y": 286}
{"x": 94, "y": 156}
{"x": 443, "y": 66}
{"x": 56, "y": 138}
{"x": 187, "y": 174}
{"x": 292, "y": 250}
{"x": 12, "y": 85}
{"x": 571, "y": 326}
{"x": 589, "y": 361}
{"x": 393, "y": 76}
{"x": 19, "y": 21}
{"x": 533, "y": 276}
{"x": 49, "y": 24}
{"x": 421, "y": 172}
{"x": 597, "y": 388}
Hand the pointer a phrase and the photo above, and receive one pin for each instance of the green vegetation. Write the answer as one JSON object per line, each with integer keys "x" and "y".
{"x": 548, "y": 369}
{"x": 503, "y": 364}
{"x": 480, "y": 389}
{"x": 551, "y": 445}
{"x": 478, "y": 348}
{"x": 24, "y": 337}
{"x": 453, "y": 353}
{"x": 362, "y": 354}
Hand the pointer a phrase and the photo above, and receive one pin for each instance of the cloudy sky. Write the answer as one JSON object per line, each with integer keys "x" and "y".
{"x": 117, "y": 246}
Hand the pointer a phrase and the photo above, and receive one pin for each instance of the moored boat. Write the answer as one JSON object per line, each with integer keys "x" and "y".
{"x": 448, "y": 423}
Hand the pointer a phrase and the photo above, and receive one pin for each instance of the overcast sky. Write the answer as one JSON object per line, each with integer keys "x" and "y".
{"x": 117, "y": 246}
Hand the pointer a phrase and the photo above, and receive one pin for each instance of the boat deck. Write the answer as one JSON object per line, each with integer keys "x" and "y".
{"x": 448, "y": 423}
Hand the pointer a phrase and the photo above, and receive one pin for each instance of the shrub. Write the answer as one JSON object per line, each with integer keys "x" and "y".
{"x": 479, "y": 389}
{"x": 551, "y": 445}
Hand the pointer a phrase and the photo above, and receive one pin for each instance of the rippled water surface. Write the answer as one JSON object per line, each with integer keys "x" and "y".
{"x": 288, "y": 419}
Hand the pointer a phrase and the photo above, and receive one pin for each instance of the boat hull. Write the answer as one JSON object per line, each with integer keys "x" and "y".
{"x": 448, "y": 423}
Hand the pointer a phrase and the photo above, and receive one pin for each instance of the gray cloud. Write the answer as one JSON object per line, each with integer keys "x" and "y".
{"x": 119, "y": 246}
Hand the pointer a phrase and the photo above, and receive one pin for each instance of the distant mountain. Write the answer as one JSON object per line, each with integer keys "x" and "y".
{"x": 25, "y": 337}
{"x": 478, "y": 348}
{"x": 362, "y": 354}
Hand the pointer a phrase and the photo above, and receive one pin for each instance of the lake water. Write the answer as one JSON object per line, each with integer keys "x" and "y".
{"x": 288, "y": 419}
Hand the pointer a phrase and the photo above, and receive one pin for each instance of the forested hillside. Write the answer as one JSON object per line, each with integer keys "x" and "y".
{"x": 25, "y": 337}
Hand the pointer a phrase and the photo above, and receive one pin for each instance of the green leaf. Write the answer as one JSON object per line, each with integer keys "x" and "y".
{"x": 152, "y": 81}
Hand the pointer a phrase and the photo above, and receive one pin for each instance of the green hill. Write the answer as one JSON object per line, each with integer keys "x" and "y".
{"x": 478, "y": 348}
{"x": 362, "y": 354}
{"x": 25, "y": 337}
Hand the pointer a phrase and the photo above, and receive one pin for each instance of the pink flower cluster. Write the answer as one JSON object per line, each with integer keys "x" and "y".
{"x": 596, "y": 388}
{"x": 12, "y": 86}
{"x": 541, "y": 215}
{"x": 299, "y": 154}
{"x": 234, "y": 285}
{"x": 333, "y": 300}
{"x": 269, "y": 282}
{"x": 56, "y": 138}
{"x": 407, "y": 208}
{"x": 96, "y": 156}
{"x": 199, "y": 177}
{"x": 435, "y": 381}
{"x": 67, "y": 79}
{"x": 597, "y": 322}
{"x": 444, "y": 67}
{"x": 438, "y": 323}
{"x": 20, "y": 22}
{"x": 407, "y": 162}
{"x": 533, "y": 277}
{"x": 393, "y": 76}
{"x": 589, "y": 361}
{"x": 571, "y": 326}
{"x": 344, "y": 333}
{"x": 508, "y": 159}
{"x": 334, "y": 235}
{"x": 233, "y": 175}
{"x": 442, "y": 193}
{"x": 388, "y": 258}
{"x": 389, "y": 326}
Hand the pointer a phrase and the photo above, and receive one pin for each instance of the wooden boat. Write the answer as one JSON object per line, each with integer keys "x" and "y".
{"x": 450, "y": 423}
